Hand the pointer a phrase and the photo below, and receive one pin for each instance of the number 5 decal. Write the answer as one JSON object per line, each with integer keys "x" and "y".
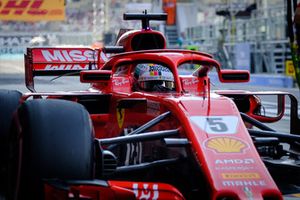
{"x": 216, "y": 124}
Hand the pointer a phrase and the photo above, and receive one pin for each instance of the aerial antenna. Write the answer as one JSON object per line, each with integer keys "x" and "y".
{"x": 145, "y": 21}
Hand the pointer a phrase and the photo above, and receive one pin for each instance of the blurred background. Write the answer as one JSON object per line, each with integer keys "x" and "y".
{"x": 240, "y": 34}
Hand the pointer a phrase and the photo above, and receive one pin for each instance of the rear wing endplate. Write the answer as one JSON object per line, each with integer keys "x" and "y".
{"x": 53, "y": 61}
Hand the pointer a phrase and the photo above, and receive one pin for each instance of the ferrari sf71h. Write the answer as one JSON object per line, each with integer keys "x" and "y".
{"x": 143, "y": 130}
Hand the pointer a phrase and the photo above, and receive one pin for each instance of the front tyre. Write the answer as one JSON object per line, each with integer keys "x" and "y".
{"x": 9, "y": 102}
{"x": 56, "y": 141}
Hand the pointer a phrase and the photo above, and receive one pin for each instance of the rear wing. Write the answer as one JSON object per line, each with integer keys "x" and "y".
{"x": 53, "y": 61}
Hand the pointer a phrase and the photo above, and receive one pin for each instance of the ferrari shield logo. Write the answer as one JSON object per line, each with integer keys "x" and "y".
{"x": 120, "y": 116}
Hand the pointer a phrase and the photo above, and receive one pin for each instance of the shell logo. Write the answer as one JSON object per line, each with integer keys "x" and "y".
{"x": 226, "y": 145}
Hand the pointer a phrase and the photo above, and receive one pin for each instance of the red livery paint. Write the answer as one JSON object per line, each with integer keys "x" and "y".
{"x": 63, "y": 55}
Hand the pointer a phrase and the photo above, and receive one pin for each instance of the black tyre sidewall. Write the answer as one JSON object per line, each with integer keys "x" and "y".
{"x": 9, "y": 102}
{"x": 57, "y": 143}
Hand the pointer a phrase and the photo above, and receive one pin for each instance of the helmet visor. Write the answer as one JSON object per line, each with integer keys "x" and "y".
{"x": 159, "y": 86}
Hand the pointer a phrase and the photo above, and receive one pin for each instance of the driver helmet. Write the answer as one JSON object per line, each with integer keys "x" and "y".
{"x": 154, "y": 77}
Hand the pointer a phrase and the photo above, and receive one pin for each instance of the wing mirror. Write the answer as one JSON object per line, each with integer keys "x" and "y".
{"x": 95, "y": 76}
{"x": 260, "y": 107}
{"x": 264, "y": 111}
{"x": 234, "y": 76}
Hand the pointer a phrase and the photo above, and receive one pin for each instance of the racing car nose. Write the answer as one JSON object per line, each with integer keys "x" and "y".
{"x": 226, "y": 153}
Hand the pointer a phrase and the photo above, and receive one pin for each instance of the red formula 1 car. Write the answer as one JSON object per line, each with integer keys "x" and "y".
{"x": 143, "y": 130}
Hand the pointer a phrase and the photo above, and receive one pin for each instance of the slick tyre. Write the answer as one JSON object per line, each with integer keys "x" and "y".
{"x": 56, "y": 141}
{"x": 9, "y": 101}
